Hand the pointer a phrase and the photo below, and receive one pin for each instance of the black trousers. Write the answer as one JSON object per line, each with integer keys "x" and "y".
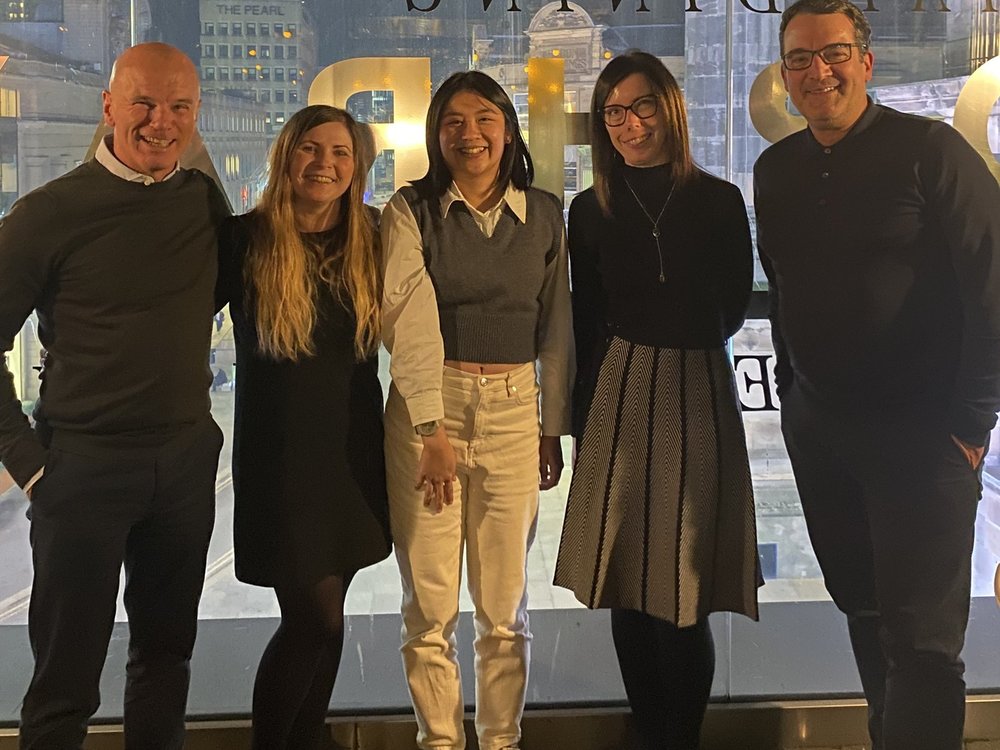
{"x": 890, "y": 503}
{"x": 152, "y": 511}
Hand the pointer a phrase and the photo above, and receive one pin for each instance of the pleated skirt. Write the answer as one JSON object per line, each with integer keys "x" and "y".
{"x": 660, "y": 516}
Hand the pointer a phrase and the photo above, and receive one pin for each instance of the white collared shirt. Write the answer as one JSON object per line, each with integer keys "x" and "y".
{"x": 105, "y": 156}
{"x": 487, "y": 220}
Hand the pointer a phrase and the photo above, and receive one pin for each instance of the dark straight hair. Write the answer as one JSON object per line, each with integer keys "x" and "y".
{"x": 862, "y": 29}
{"x": 671, "y": 103}
{"x": 515, "y": 164}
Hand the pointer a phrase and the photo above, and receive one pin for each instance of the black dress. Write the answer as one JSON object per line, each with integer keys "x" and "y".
{"x": 308, "y": 462}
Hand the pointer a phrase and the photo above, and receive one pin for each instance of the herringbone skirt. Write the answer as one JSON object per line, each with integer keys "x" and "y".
{"x": 660, "y": 516}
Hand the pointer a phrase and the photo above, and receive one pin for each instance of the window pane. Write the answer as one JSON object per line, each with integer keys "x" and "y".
{"x": 923, "y": 60}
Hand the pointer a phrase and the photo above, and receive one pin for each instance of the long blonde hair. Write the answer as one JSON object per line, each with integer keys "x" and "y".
{"x": 285, "y": 272}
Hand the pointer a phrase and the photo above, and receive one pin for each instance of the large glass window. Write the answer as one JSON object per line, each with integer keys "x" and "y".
{"x": 722, "y": 53}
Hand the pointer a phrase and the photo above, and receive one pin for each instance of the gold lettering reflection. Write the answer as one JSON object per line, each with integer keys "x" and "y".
{"x": 974, "y": 106}
{"x": 547, "y": 122}
{"x": 409, "y": 79}
{"x": 768, "y": 112}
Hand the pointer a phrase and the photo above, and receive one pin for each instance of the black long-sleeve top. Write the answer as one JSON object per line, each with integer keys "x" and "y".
{"x": 883, "y": 257}
{"x": 615, "y": 269}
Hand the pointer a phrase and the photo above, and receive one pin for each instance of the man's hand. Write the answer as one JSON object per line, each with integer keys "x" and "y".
{"x": 436, "y": 471}
{"x": 6, "y": 481}
{"x": 973, "y": 453}
{"x": 550, "y": 462}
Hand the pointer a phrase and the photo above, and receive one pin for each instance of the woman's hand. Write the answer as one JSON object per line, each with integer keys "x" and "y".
{"x": 550, "y": 461}
{"x": 436, "y": 471}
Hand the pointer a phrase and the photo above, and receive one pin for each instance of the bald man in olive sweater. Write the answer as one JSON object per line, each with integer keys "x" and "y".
{"x": 118, "y": 258}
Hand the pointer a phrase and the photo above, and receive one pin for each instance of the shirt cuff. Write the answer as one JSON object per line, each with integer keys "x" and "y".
{"x": 426, "y": 406}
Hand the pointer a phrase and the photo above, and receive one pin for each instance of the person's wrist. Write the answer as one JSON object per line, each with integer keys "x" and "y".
{"x": 427, "y": 429}
{"x": 437, "y": 439}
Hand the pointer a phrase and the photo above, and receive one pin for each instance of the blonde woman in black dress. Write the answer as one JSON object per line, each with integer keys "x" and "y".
{"x": 301, "y": 274}
{"x": 660, "y": 518}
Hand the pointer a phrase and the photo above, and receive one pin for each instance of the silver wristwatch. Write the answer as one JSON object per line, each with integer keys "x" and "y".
{"x": 426, "y": 429}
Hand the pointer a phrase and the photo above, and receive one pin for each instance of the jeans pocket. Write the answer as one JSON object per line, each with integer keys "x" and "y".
{"x": 524, "y": 395}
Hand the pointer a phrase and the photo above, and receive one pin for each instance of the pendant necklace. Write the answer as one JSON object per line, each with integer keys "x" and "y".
{"x": 655, "y": 223}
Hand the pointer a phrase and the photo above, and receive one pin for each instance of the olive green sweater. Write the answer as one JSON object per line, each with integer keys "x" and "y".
{"x": 122, "y": 277}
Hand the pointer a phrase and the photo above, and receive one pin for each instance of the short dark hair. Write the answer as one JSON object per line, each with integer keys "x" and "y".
{"x": 862, "y": 29}
{"x": 515, "y": 163}
{"x": 671, "y": 101}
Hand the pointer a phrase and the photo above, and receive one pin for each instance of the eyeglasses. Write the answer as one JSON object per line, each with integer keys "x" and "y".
{"x": 831, "y": 54}
{"x": 644, "y": 107}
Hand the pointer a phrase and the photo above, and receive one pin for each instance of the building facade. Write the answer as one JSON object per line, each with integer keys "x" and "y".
{"x": 261, "y": 52}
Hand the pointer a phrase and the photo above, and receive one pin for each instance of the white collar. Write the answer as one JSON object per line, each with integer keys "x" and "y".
{"x": 513, "y": 197}
{"x": 107, "y": 159}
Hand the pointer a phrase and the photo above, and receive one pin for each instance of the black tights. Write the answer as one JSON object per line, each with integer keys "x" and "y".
{"x": 291, "y": 694}
{"x": 667, "y": 673}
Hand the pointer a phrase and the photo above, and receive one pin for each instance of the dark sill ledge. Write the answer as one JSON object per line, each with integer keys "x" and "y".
{"x": 797, "y": 651}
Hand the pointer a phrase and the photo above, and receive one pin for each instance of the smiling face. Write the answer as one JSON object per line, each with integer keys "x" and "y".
{"x": 152, "y": 107}
{"x": 472, "y": 137}
{"x": 832, "y": 98}
{"x": 322, "y": 167}
{"x": 641, "y": 143}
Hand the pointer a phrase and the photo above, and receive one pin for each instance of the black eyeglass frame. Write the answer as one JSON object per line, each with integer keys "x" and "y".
{"x": 603, "y": 111}
{"x": 822, "y": 56}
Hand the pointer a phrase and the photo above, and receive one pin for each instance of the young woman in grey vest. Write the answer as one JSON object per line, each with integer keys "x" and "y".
{"x": 476, "y": 293}
{"x": 660, "y": 518}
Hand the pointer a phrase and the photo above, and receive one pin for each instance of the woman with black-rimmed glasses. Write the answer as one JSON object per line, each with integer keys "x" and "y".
{"x": 660, "y": 519}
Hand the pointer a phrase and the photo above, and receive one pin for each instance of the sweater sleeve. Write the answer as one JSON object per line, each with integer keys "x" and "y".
{"x": 964, "y": 198}
{"x": 589, "y": 305}
{"x": 736, "y": 267}
{"x": 25, "y": 272}
{"x": 556, "y": 358}
{"x": 783, "y": 373}
{"x": 228, "y": 284}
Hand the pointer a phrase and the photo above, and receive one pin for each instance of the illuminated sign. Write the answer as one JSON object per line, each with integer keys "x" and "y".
{"x": 239, "y": 9}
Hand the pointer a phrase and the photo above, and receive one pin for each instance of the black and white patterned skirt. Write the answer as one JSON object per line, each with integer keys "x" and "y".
{"x": 660, "y": 516}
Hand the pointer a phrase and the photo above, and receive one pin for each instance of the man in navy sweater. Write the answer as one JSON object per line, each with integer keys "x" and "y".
{"x": 880, "y": 235}
{"x": 118, "y": 258}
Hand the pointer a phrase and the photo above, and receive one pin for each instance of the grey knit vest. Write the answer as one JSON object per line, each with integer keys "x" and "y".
{"x": 488, "y": 287}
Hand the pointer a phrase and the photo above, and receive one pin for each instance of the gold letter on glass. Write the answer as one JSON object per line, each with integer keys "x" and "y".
{"x": 409, "y": 79}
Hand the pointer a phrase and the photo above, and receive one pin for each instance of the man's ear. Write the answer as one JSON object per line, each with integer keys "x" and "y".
{"x": 109, "y": 120}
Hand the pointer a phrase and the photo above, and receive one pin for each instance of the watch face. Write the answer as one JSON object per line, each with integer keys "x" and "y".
{"x": 426, "y": 429}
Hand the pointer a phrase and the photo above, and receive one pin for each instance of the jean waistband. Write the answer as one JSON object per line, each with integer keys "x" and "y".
{"x": 522, "y": 376}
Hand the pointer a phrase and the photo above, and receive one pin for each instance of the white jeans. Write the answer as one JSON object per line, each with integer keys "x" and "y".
{"x": 492, "y": 422}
